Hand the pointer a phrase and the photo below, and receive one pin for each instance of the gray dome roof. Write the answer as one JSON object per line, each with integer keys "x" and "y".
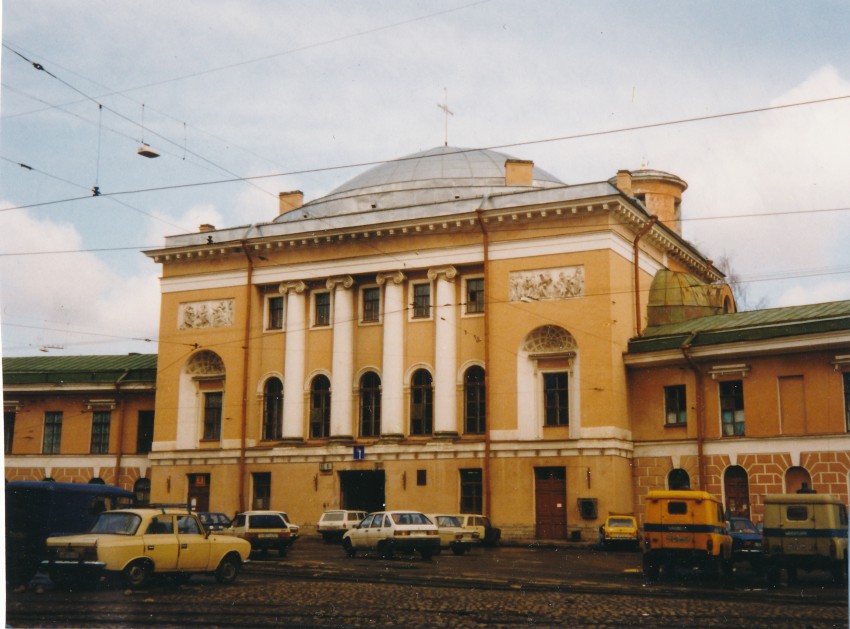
{"x": 439, "y": 175}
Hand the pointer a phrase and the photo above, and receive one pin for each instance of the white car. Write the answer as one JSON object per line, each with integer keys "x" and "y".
{"x": 453, "y": 535}
{"x": 334, "y": 523}
{"x": 293, "y": 528}
{"x": 394, "y": 531}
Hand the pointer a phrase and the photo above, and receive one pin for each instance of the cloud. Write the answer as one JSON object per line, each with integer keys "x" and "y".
{"x": 81, "y": 300}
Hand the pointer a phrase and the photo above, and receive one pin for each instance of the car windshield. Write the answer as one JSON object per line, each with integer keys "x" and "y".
{"x": 334, "y": 516}
{"x": 744, "y": 526}
{"x": 410, "y": 518}
{"x": 266, "y": 522}
{"x": 117, "y": 523}
{"x": 447, "y": 520}
{"x": 620, "y": 522}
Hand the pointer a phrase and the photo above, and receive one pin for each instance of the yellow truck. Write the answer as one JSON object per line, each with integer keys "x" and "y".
{"x": 685, "y": 528}
{"x": 804, "y": 531}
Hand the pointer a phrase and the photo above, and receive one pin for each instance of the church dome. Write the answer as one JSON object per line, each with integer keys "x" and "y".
{"x": 439, "y": 175}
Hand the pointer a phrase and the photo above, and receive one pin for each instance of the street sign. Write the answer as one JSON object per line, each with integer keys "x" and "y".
{"x": 359, "y": 453}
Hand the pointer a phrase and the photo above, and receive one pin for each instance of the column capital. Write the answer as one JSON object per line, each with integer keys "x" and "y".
{"x": 448, "y": 273}
{"x": 396, "y": 277}
{"x": 344, "y": 281}
{"x": 296, "y": 287}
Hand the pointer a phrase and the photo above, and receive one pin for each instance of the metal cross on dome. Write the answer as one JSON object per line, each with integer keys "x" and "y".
{"x": 447, "y": 112}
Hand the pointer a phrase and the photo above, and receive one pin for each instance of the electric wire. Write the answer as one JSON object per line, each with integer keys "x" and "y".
{"x": 562, "y": 138}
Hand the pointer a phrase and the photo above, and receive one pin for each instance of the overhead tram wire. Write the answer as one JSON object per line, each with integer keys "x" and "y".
{"x": 40, "y": 67}
{"x": 82, "y": 187}
{"x": 562, "y": 138}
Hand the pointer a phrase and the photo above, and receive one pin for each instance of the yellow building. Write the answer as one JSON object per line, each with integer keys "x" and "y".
{"x": 85, "y": 419}
{"x": 443, "y": 332}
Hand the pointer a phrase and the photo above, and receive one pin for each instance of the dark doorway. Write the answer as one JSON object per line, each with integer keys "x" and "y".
{"x": 550, "y": 498}
{"x": 737, "y": 487}
{"x": 362, "y": 491}
{"x": 144, "y": 432}
{"x": 198, "y": 495}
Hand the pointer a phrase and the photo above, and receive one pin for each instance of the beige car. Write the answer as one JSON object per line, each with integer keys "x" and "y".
{"x": 487, "y": 533}
{"x": 138, "y": 543}
{"x": 453, "y": 535}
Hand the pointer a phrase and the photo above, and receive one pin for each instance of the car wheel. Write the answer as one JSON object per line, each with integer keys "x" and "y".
{"x": 838, "y": 572}
{"x": 228, "y": 569}
{"x": 349, "y": 548}
{"x": 651, "y": 570}
{"x": 773, "y": 576}
{"x": 137, "y": 573}
{"x": 458, "y": 549}
{"x": 385, "y": 550}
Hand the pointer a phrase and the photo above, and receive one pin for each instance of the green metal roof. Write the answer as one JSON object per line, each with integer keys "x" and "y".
{"x": 79, "y": 369}
{"x": 746, "y": 326}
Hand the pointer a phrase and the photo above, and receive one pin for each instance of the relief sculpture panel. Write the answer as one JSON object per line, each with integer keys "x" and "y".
{"x": 540, "y": 284}
{"x": 216, "y": 313}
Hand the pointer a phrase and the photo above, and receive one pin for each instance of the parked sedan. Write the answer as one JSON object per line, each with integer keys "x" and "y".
{"x": 263, "y": 529}
{"x": 334, "y": 523}
{"x": 389, "y": 532}
{"x": 489, "y": 534}
{"x": 138, "y": 543}
{"x": 453, "y": 535}
{"x": 293, "y": 528}
{"x": 213, "y": 521}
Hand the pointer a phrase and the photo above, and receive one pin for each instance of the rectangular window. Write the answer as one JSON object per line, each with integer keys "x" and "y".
{"x": 144, "y": 432}
{"x": 274, "y": 318}
{"x": 732, "y": 408}
{"x": 421, "y": 301}
{"x": 475, "y": 296}
{"x": 371, "y": 304}
{"x": 846, "y": 376}
{"x": 212, "y": 415}
{"x": 100, "y": 431}
{"x": 555, "y": 399}
{"x": 262, "y": 491}
{"x": 470, "y": 491}
{"x": 52, "y": 432}
{"x": 323, "y": 309}
{"x": 421, "y": 478}
{"x": 675, "y": 406}
{"x": 8, "y": 430}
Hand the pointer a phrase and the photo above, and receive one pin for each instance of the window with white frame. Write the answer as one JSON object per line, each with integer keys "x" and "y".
{"x": 212, "y": 414}
{"x": 675, "y": 407}
{"x": 421, "y": 300}
{"x": 474, "y": 295}
{"x": 732, "y": 408}
{"x": 370, "y": 304}
{"x": 101, "y": 421}
{"x": 321, "y": 309}
{"x": 556, "y": 409}
{"x": 274, "y": 312}
{"x": 52, "y": 432}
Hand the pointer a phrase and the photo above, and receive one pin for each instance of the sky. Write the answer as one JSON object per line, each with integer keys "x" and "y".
{"x": 244, "y": 99}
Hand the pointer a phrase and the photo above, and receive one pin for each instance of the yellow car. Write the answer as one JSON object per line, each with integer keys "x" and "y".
{"x": 453, "y": 535}
{"x": 619, "y": 530}
{"x": 138, "y": 543}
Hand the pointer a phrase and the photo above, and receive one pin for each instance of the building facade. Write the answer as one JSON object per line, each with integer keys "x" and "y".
{"x": 743, "y": 404}
{"x": 79, "y": 419}
{"x": 443, "y": 332}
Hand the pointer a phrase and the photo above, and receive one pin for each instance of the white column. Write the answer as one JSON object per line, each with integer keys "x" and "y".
{"x": 293, "y": 359}
{"x": 445, "y": 335}
{"x": 342, "y": 376}
{"x": 392, "y": 369}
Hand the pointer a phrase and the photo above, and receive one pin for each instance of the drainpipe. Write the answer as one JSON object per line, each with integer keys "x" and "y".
{"x": 120, "y": 450}
{"x": 245, "y": 363}
{"x": 640, "y": 235}
{"x": 486, "y": 244}
{"x": 700, "y": 406}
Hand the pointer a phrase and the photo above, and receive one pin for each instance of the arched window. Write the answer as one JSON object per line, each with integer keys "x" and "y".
{"x": 273, "y": 409}
{"x": 421, "y": 403}
{"x": 737, "y": 485}
{"x": 678, "y": 479}
{"x": 474, "y": 400}
{"x": 370, "y": 405}
{"x": 797, "y": 479}
{"x": 201, "y": 399}
{"x": 96, "y": 481}
{"x": 320, "y": 407}
{"x": 142, "y": 490}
